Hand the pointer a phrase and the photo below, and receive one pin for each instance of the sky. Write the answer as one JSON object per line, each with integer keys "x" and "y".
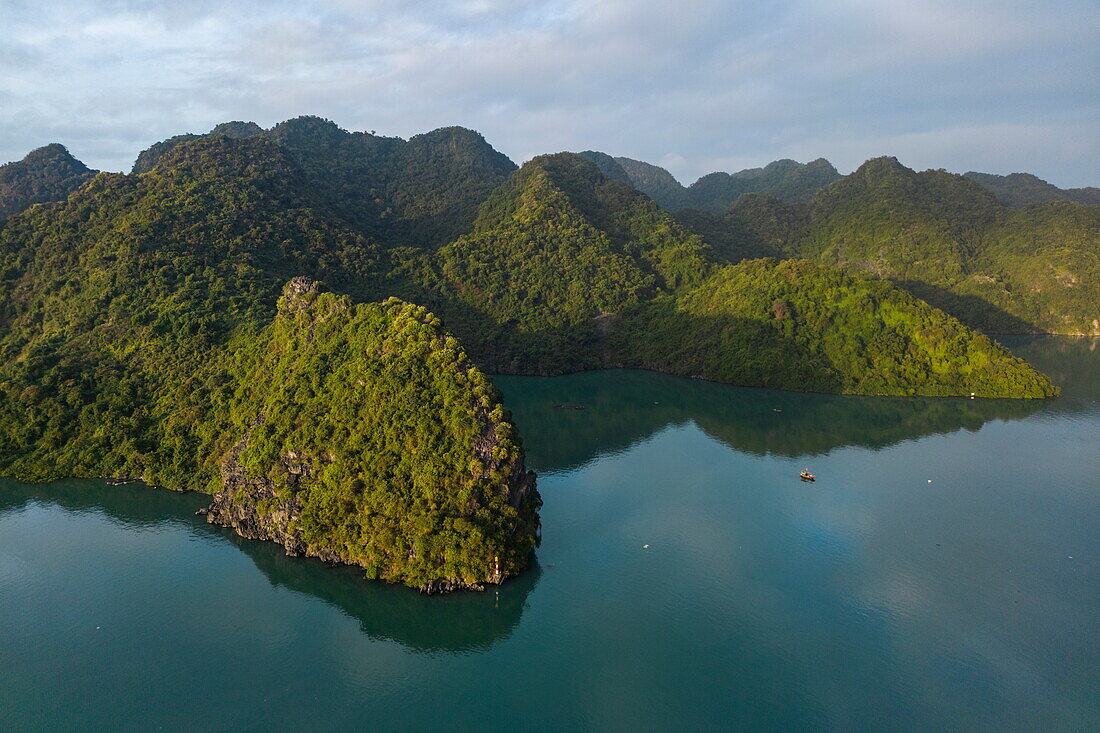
{"x": 997, "y": 86}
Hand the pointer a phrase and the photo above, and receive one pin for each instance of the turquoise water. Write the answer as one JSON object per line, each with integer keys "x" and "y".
{"x": 871, "y": 599}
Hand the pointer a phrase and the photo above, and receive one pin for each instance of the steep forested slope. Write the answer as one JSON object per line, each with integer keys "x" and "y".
{"x": 553, "y": 249}
{"x": 47, "y": 174}
{"x": 168, "y": 324}
{"x": 363, "y": 434}
{"x": 566, "y": 270}
{"x": 422, "y": 192}
{"x": 796, "y": 325}
{"x": 135, "y": 343}
{"x": 942, "y": 237}
{"x": 148, "y": 158}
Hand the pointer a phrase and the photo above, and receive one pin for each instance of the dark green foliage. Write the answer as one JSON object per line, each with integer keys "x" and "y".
{"x": 757, "y": 225}
{"x": 420, "y": 193}
{"x": 940, "y": 236}
{"x": 787, "y": 180}
{"x": 655, "y": 182}
{"x": 551, "y": 252}
{"x": 236, "y": 129}
{"x": 132, "y": 280}
{"x": 795, "y": 325}
{"x": 568, "y": 270}
{"x": 1021, "y": 189}
{"x": 134, "y": 345}
{"x": 148, "y": 158}
{"x": 140, "y": 334}
{"x": 47, "y": 174}
{"x": 607, "y": 165}
{"x": 393, "y": 446}
{"x": 423, "y": 192}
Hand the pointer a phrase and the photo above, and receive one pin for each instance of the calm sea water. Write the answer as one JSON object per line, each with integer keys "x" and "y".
{"x": 943, "y": 573}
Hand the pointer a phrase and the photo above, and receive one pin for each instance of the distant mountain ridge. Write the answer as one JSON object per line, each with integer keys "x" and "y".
{"x": 47, "y": 174}
{"x": 418, "y": 192}
{"x": 148, "y": 158}
{"x": 785, "y": 179}
{"x": 795, "y": 182}
{"x": 952, "y": 244}
{"x": 566, "y": 269}
{"x": 1021, "y": 189}
{"x": 942, "y": 236}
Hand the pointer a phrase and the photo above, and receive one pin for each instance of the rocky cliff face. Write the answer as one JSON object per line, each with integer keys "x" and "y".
{"x": 259, "y": 509}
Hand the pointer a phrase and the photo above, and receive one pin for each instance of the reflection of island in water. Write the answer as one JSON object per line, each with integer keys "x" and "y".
{"x": 623, "y": 407}
{"x": 451, "y": 622}
{"x": 454, "y": 622}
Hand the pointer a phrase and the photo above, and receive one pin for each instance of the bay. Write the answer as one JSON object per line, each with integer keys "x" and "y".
{"x": 942, "y": 573}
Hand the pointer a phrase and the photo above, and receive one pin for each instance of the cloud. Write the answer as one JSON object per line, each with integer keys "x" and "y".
{"x": 696, "y": 83}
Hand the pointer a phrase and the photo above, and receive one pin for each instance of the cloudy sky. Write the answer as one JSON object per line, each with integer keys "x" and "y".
{"x": 694, "y": 85}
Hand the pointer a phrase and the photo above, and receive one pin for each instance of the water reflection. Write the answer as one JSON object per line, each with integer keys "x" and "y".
{"x": 458, "y": 622}
{"x": 623, "y": 407}
{"x": 452, "y": 623}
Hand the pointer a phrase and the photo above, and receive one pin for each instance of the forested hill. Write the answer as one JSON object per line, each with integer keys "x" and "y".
{"x": 141, "y": 338}
{"x": 939, "y": 235}
{"x": 422, "y": 192}
{"x": 794, "y": 182}
{"x": 785, "y": 179}
{"x": 566, "y": 269}
{"x": 47, "y": 174}
{"x": 149, "y": 157}
{"x": 1021, "y": 189}
{"x": 168, "y": 325}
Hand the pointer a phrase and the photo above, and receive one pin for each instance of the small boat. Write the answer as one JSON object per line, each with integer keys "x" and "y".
{"x": 806, "y": 475}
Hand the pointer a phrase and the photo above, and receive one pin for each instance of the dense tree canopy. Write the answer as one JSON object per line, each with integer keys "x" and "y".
{"x": 1033, "y": 269}
{"x": 47, "y": 174}
{"x": 787, "y": 180}
{"x": 147, "y": 328}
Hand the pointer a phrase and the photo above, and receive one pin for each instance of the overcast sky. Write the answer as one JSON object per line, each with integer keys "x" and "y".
{"x": 693, "y": 85}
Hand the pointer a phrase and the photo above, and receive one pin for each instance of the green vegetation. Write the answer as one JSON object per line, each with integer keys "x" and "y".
{"x": 420, "y": 192}
{"x": 363, "y": 434}
{"x": 799, "y": 326}
{"x": 567, "y": 270}
{"x": 552, "y": 251}
{"x": 47, "y": 174}
{"x": 655, "y": 182}
{"x": 149, "y": 157}
{"x": 145, "y": 330}
{"x": 1021, "y": 189}
{"x": 1034, "y": 269}
{"x": 787, "y": 180}
{"x": 135, "y": 344}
